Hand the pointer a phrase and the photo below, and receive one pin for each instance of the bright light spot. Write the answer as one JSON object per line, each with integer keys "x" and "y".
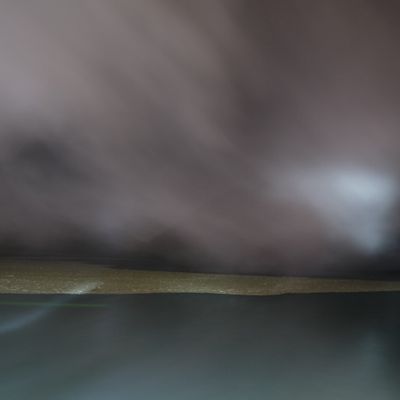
{"x": 354, "y": 203}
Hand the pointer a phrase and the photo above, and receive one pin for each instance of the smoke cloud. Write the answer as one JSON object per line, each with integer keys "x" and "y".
{"x": 247, "y": 136}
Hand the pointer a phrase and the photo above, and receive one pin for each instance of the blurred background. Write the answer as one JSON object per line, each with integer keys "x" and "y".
{"x": 220, "y": 135}
{"x": 252, "y": 137}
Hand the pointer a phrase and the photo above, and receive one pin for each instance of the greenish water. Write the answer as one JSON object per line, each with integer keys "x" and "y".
{"x": 200, "y": 347}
